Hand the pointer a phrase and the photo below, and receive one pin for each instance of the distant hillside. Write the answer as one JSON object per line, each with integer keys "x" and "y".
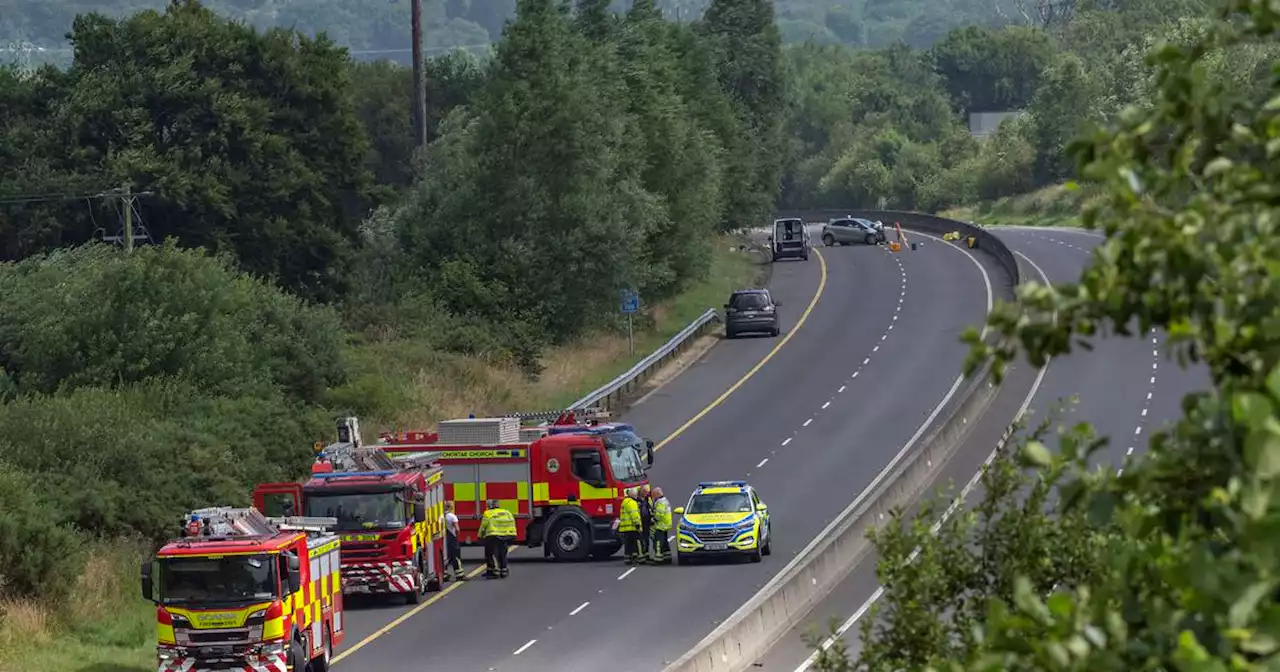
{"x": 36, "y": 29}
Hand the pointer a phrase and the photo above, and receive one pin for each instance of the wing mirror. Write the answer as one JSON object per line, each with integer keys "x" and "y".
{"x": 771, "y": 239}
{"x": 679, "y": 511}
{"x": 419, "y": 512}
{"x": 761, "y": 507}
{"x": 777, "y": 303}
{"x": 295, "y": 573}
{"x": 648, "y": 456}
{"x": 146, "y": 582}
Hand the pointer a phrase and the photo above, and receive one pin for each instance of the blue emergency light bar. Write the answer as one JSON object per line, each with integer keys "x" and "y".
{"x": 353, "y": 474}
{"x": 722, "y": 484}
{"x": 603, "y": 428}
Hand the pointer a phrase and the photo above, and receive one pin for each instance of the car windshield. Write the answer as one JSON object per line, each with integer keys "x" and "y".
{"x": 750, "y": 301}
{"x": 358, "y": 510}
{"x": 722, "y": 502}
{"x": 232, "y": 578}
{"x": 626, "y": 459}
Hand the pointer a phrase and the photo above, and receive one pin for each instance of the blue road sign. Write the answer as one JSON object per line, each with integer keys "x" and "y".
{"x": 630, "y": 301}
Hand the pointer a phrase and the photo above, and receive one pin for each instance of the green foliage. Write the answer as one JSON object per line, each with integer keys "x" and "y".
{"x": 90, "y": 316}
{"x": 1180, "y": 552}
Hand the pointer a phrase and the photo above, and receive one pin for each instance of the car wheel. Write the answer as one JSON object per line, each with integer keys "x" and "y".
{"x": 756, "y": 555}
{"x": 570, "y": 540}
{"x": 768, "y": 544}
{"x": 775, "y": 331}
{"x": 297, "y": 655}
{"x": 420, "y": 585}
{"x": 325, "y": 661}
{"x": 871, "y": 239}
{"x": 730, "y": 334}
{"x": 828, "y": 240}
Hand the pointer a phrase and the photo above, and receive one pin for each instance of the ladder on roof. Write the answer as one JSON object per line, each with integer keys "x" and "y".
{"x": 347, "y": 457}
{"x": 229, "y": 521}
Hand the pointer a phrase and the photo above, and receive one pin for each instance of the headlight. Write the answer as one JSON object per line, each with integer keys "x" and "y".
{"x": 747, "y": 524}
{"x": 272, "y": 649}
{"x": 256, "y": 618}
{"x": 405, "y": 569}
{"x": 179, "y": 621}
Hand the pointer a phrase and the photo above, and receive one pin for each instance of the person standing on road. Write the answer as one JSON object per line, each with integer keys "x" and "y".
{"x": 452, "y": 549}
{"x": 497, "y": 529}
{"x": 646, "y": 521}
{"x": 661, "y": 528}
{"x": 629, "y": 526}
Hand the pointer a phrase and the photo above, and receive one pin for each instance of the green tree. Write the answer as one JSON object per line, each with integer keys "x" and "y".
{"x": 750, "y": 70}
{"x": 992, "y": 70}
{"x": 249, "y": 140}
{"x": 1065, "y": 104}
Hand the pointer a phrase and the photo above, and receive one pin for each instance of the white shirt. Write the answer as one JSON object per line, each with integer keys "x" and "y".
{"x": 451, "y": 523}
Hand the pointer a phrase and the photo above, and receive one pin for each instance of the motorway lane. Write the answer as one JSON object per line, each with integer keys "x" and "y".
{"x": 836, "y": 441}
{"x": 1124, "y": 384}
{"x": 795, "y": 284}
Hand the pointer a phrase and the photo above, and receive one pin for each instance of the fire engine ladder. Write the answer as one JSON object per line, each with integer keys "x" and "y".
{"x": 347, "y": 457}
{"x": 312, "y": 524}
{"x": 572, "y": 416}
{"x": 227, "y": 521}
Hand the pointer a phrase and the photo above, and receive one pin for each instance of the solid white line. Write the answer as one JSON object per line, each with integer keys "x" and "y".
{"x": 580, "y": 608}
{"x": 806, "y": 422}
{"x": 762, "y": 463}
{"x": 862, "y": 610}
{"x": 824, "y": 406}
{"x": 626, "y": 573}
{"x": 788, "y": 440}
{"x": 525, "y": 647}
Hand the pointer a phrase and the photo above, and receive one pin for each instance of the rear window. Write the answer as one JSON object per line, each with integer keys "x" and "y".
{"x": 748, "y": 301}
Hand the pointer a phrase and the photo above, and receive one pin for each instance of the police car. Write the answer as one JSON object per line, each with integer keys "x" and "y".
{"x": 723, "y": 518}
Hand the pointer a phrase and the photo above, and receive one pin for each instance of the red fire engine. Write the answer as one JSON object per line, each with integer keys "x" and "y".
{"x": 240, "y": 591}
{"x": 564, "y": 482}
{"x": 389, "y": 511}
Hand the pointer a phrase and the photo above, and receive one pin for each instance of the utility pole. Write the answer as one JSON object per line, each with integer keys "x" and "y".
{"x": 128, "y": 217}
{"x": 419, "y": 96}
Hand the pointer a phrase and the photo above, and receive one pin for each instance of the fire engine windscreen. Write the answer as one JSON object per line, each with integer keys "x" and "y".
{"x": 626, "y": 460}
{"x": 229, "y": 579}
{"x": 358, "y": 510}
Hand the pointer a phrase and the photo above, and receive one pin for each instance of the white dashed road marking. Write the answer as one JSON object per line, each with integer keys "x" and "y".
{"x": 580, "y": 608}
{"x": 525, "y": 647}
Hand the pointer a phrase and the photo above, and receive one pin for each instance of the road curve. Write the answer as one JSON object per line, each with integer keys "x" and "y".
{"x": 1125, "y": 387}
{"x": 816, "y": 423}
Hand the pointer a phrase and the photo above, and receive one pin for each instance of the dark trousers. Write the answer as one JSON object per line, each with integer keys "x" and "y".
{"x": 452, "y": 554}
{"x": 661, "y": 547}
{"x": 645, "y": 535}
{"x": 495, "y": 553}
{"x": 631, "y": 545}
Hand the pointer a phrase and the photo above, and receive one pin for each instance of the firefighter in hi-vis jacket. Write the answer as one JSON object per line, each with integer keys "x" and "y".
{"x": 498, "y": 529}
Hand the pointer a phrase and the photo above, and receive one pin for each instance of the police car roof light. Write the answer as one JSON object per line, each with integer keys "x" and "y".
{"x": 722, "y": 484}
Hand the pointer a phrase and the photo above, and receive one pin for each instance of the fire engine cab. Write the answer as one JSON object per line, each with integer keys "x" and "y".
{"x": 389, "y": 512}
{"x": 564, "y": 482}
{"x": 242, "y": 591}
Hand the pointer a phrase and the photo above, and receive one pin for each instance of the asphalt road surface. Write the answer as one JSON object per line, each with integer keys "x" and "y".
{"x": 1125, "y": 388}
{"x": 873, "y": 360}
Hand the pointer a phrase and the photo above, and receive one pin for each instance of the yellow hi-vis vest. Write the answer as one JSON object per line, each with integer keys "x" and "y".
{"x": 662, "y": 514}
{"x": 497, "y": 523}
{"x": 629, "y": 518}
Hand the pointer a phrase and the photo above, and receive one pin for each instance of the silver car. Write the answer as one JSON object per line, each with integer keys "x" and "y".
{"x": 852, "y": 231}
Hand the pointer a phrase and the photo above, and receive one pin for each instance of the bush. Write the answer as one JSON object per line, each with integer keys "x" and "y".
{"x": 38, "y": 554}
{"x": 133, "y": 459}
{"x": 90, "y": 316}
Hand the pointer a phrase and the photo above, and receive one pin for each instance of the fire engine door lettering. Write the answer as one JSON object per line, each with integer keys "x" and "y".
{"x": 553, "y": 465}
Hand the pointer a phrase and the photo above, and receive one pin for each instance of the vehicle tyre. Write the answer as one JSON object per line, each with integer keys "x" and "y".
{"x": 322, "y": 663}
{"x": 729, "y": 333}
{"x": 871, "y": 239}
{"x": 420, "y": 585}
{"x": 297, "y": 656}
{"x": 434, "y": 584}
{"x": 768, "y": 545}
{"x": 570, "y": 540}
{"x": 756, "y": 555}
{"x": 775, "y": 331}
{"x": 828, "y": 240}
{"x": 804, "y": 257}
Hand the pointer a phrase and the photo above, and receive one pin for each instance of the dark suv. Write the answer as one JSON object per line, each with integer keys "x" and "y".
{"x": 751, "y": 310}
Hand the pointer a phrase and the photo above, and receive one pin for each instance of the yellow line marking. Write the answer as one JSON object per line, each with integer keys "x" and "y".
{"x": 813, "y": 303}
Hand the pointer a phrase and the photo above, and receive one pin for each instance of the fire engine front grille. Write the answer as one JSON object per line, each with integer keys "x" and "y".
{"x": 718, "y": 535}
{"x": 217, "y": 636}
{"x": 362, "y": 551}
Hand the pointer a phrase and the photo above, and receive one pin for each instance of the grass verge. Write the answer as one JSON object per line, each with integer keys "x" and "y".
{"x": 1051, "y": 206}
{"x": 106, "y": 627}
